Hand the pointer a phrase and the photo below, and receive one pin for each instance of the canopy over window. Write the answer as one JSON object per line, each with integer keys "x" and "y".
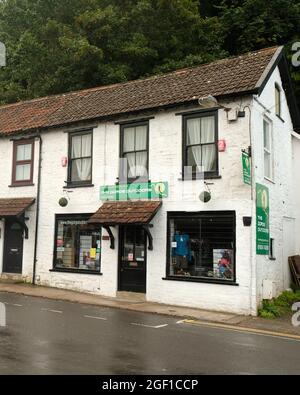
{"x": 14, "y": 207}
{"x": 126, "y": 213}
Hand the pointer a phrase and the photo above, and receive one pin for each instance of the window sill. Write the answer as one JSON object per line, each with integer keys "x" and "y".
{"x": 79, "y": 271}
{"x": 269, "y": 180}
{"x": 200, "y": 280}
{"x": 208, "y": 177}
{"x": 72, "y": 186}
{"x": 25, "y": 184}
{"x": 281, "y": 119}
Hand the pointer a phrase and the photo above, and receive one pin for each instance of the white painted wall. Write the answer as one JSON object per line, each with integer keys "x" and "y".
{"x": 228, "y": 193}
{"x": 282, "y": 213}
{"x": 6, "y": 191}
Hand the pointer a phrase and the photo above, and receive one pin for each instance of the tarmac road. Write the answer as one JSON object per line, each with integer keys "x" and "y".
{"x": 56, "y": 337}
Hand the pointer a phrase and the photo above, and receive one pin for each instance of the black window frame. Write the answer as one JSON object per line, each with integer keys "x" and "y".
{"x": 73, "y": 217}
{"x": 122, "y": 153}
{"x": 185, "y": 118}
{"x": 185, "y": 214}
{"x": 71, "y": 183}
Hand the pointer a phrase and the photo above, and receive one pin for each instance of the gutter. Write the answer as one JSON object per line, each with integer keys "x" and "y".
{"x": 37, "y": 215}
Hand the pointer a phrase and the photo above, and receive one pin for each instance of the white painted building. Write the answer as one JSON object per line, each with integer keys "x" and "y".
{"x": 174, "y": 130}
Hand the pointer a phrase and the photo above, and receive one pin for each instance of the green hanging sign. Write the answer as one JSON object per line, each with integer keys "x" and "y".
{"x": 262, "y": 220}
{"x": 246, "y": 168}
{"x": 121, "y": 192}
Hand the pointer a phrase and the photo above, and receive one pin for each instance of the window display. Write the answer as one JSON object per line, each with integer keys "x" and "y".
{"x": 78, "y": 245}
{"x": 202, "y": 245}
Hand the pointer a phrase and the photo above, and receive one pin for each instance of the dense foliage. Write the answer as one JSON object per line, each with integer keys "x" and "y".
{"x": 55, "y": 46}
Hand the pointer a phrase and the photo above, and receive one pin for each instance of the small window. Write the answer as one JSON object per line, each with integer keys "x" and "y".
{"x": 272, "y": 251}
{"x": 202, "y": 245}
{"x": 134, "y": 149}
{"x": 268, "y": 150}
{"x": 277, "y": 100}
{"x": 77, "y": 244}
{"x": 23, "y": 162}
{"x": 200, "y": 144}
{"x": 80, "y": 161}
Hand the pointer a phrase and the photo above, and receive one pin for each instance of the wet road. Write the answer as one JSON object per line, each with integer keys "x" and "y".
{"x": 54, "y": 337}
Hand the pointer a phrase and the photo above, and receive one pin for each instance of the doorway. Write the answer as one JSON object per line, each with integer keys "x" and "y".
{"x": 132, "y": 259}
{"x": 13, "y": 247}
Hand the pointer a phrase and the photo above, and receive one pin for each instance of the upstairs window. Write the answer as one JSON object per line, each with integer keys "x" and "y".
{"x": 134, "y": 149}
{"x": 268, "y": 150}
{"x": 277, "y": 100}
{"x": 200, "y": 143}
{"x": 23, "y": 153}
{"x": 80, "y": 158}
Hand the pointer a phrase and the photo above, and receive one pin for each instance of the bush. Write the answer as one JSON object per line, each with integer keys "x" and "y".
{"x": 280, "y": 306}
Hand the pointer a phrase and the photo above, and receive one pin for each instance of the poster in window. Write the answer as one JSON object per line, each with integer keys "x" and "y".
{"x": 223, "y": 263}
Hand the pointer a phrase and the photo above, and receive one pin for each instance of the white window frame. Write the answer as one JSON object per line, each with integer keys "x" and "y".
{"x": 268, "y": 151}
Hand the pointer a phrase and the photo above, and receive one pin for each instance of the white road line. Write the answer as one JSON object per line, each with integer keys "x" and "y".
{"x": 95, "y": 318}
{"x": 180, "y": 322}
{"x": 53, "y": 311}
{"x": 13, "y": 304}
{"x": 149, "y": 326}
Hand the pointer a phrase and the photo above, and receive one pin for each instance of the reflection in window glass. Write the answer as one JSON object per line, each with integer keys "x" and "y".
{"x": 202, "y": 245}
{"x": 77, "y": 245}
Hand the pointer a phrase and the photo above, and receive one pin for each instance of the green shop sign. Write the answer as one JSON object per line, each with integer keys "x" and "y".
{"x": 246, "y": 168}
{"x": 153, "y": 190}
{"x": 262, "y": 220}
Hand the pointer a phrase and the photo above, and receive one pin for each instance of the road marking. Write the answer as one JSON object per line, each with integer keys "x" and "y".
{"x": 13, "y": 304}
{"x": 149, "y": 326}
{"x": 95, "y": 318}
{"x": 53, "y": 311}
{"x": 242, "y": 329}
{"x": 180, "y": 322}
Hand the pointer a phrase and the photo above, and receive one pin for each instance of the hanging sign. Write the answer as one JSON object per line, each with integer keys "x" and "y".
{"x": 262, "y": 220}
{"x": 154, "y": 190}
{"x": 246, "y": 168}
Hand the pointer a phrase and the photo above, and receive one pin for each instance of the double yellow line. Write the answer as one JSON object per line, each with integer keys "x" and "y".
{"x": 243, "y": 329}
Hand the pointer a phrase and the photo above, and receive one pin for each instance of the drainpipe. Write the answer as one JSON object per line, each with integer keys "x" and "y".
{"x": 37, "y": 209}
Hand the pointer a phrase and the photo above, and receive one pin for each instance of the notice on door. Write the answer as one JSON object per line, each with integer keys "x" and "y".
{"x": 262, "y": 220}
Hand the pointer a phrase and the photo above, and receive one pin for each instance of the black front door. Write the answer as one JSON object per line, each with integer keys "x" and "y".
{"x": 13, "y": 247}
{"x": 132, "y": 267}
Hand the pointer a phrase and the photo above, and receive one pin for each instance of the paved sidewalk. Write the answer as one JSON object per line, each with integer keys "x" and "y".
{"x": 132, "y": 303}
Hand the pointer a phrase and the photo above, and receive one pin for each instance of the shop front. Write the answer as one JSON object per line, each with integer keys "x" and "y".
{"x": 134, "y": 230}
{"x": 12, "y": 211}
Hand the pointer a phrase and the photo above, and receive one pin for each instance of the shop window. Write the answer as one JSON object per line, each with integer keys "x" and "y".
{"x": 77, "y": 244}
{"x": 80, "y": 158}
{"x": 200, "y": 152}
{"x": 134, "y": 148}
{"x": 202, "y": 246}
{"x": 23, "y": 153}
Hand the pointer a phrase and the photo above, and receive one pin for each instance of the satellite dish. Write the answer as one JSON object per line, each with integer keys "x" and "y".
{"x": 205, "y": 196}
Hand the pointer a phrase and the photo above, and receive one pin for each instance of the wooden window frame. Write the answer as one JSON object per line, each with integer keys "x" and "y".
{"x": 71, "y": 183}
{"x": 30, "y": 162}
{"x": 185, "y": 118}
{"x": 123, "y": 153}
